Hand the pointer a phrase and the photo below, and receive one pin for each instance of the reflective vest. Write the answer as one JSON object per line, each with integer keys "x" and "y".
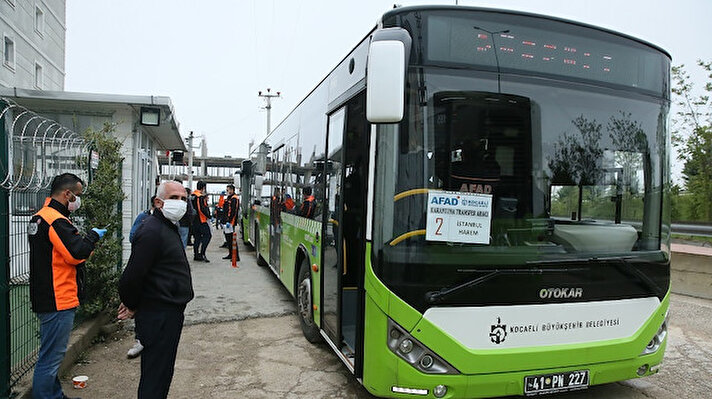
{"x": 201, "y": 206}
{"x": 57, "y": 255}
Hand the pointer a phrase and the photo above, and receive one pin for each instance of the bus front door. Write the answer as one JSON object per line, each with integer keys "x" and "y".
{"x": 331, "y": 271}
{"x": 344, "y": 249}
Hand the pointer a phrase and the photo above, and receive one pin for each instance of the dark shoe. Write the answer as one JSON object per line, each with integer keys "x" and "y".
{"x": 205, "y": 259}
{"x": 227, "y": 257}
{"x": 198, "y": 257}
{"x": 224, "y": 245}
{"x": 190, "y": 244}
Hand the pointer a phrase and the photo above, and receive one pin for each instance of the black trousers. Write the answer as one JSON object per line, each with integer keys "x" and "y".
{"x": 202, "y": 234}
{"x": 228, "y": 238}
{"x": 160, "y": 333}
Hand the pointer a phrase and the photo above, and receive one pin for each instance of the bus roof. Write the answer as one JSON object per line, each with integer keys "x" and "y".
{"x": 403, "y": 10}
{"x": 408, "y": 9}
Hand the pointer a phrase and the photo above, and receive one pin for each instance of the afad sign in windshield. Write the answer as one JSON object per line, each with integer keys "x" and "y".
{"x": 459, "y": 217}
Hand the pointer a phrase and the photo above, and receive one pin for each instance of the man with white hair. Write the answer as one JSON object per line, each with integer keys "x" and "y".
{"x": 155, "y": 287}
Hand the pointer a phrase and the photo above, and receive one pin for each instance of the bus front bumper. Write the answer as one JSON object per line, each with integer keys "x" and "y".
{"x": 505, "y": 384}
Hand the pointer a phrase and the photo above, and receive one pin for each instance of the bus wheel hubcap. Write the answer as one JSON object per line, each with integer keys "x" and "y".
{"x": 305, "y": 300}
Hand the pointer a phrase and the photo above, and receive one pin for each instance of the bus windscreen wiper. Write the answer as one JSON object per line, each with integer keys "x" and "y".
{"x": 433, "y": 297}
{"x": 621, "y": 263}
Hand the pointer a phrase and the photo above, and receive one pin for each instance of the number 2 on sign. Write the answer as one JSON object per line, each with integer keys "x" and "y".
{"x": 439, "y": 222}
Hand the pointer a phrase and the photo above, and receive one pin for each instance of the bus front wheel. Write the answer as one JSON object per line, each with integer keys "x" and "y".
{"x": 305, "y": 304}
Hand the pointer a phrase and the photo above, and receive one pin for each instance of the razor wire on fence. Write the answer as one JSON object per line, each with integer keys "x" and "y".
{"x": 35, "y": 149}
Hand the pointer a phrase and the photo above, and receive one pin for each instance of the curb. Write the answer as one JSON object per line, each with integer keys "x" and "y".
{"x": 79, "y": 341}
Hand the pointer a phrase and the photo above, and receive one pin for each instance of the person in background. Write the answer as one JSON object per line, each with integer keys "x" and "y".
{"x": 233, "y": 205}
{"x": 288, "y": 203}
{"x": 185, "y": 223}
{"x": 308, "y": 207}
{"x": 57, "y": 255}
{"x": 201, "y": 228}
{"x": 191, "y": 233}
{"x": 141, "y": 216}
{"x": 155, "y": 288}
{"x": 221, "y": 216}
{"x": 136, "y": 349}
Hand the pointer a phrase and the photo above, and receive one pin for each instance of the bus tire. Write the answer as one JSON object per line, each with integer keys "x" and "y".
{"x": 305, "y": 305}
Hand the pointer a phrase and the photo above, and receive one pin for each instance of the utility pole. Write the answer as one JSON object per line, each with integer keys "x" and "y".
{"x": 190, "y": 160}
{"x": 268, "y": 99}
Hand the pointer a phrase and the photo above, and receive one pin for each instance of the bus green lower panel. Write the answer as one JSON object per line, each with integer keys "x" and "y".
{"x": 384, "y": 370}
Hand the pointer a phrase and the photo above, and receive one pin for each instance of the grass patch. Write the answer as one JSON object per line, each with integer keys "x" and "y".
{"x": 701, "y": 239}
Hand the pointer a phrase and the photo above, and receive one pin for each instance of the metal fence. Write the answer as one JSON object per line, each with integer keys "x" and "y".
{"x": 33, "y": 149}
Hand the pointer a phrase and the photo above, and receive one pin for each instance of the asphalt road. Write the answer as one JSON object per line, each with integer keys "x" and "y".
{"x": 242, "y": 340}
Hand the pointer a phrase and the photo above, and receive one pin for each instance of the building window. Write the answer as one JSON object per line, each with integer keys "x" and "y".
{"x": 39, "y": 20}
{"x": 39, "y": 78}
{"x": 8, "y": 57}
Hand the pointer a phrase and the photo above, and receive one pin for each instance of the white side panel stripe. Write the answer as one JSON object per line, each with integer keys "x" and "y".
{"x": 502, "y": 327}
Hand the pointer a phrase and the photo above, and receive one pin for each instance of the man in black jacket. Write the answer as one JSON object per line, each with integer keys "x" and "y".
{"x": 201, "y": 227}
{"x": 155, "y": 287}
{"x": 232, "y": 205}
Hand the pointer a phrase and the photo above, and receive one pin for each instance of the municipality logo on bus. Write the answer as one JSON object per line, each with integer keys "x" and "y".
{"x": 498, "y": 332}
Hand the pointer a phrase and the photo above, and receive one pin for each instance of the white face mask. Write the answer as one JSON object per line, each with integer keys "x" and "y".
{"x": 173, "y": 209}
{"x": 73, "y": 206}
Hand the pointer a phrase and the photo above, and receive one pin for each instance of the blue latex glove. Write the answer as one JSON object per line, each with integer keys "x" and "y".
{"x": 100, "y": 232}
{"x": 227, "y": 225}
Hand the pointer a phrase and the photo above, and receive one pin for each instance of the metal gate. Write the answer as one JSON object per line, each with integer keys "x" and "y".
{"x": 33, "y": 149}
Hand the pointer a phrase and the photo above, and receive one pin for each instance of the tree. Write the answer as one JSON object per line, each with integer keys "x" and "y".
{"x": 692, "y": 137}
{"x": 100, "y": 208}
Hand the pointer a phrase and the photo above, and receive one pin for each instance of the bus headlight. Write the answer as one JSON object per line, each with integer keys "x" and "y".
{"x": 657, "y": 339}
{"x": 440, "y": 391}
{"x": 406, "y": 346}
{"x": 416, "y": 354}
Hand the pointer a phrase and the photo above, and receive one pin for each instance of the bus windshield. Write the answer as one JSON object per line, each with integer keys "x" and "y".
{"x": 570, "y": 173}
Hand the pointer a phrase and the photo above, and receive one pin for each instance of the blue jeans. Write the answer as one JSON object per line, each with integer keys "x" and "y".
{"x": 55, "y": 328}
{"x": 202, "y": 234}
{"x": 184, "y": 235}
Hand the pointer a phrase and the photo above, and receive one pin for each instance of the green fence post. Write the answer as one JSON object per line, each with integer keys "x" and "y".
{"x": 5, "y": 265}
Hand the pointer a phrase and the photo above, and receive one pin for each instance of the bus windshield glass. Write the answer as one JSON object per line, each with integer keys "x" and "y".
{"x": 559, "y": 172}
{"x": 563, "y": 170}
{"x": 545, "y": 47}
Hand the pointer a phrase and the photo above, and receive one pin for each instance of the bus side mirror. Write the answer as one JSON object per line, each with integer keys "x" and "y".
{"x": 385, "y": 81}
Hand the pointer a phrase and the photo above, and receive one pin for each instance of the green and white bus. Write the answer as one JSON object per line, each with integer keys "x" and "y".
{"x": 491, "y": 211}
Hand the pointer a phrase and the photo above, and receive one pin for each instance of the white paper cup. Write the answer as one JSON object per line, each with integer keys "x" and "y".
{"x": 80, "y": 382}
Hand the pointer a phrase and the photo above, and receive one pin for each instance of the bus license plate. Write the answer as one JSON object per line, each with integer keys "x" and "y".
{"x": 557, "y": 382}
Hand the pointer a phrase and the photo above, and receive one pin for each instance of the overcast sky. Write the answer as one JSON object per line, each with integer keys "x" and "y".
{"x": 212, "y": 57}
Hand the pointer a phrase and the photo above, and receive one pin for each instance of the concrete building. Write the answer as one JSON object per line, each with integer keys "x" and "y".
{"x": 141, "y": 143}
{"x": 33, "y": 44}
